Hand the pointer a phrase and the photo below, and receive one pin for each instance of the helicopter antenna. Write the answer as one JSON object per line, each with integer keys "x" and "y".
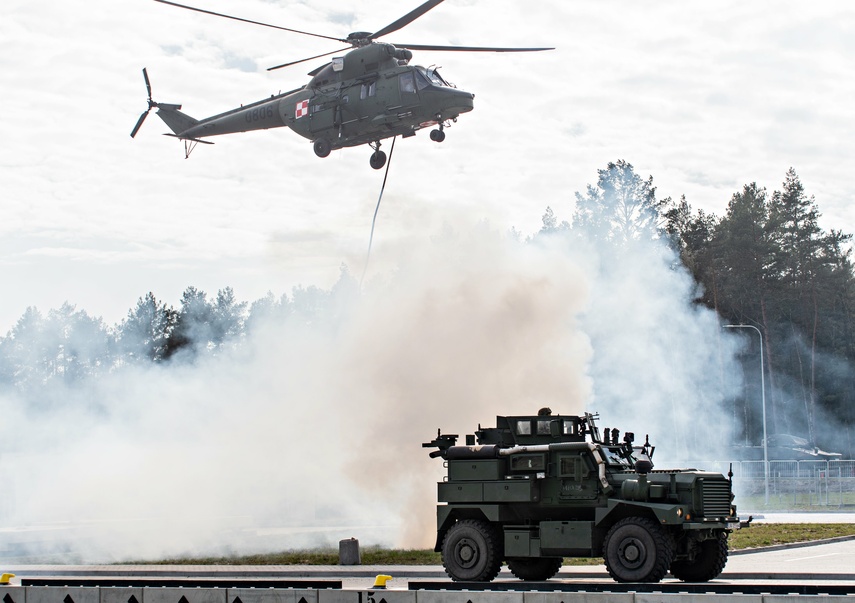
{"x": 377, "y": 209}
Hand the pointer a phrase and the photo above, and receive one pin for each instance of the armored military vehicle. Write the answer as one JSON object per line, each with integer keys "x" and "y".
{"x": 535, "y": 489}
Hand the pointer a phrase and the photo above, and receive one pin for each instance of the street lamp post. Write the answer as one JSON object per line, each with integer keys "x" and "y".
{"x": 763, "y": 395}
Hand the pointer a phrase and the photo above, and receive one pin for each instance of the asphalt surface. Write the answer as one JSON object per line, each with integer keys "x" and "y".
{"x": 825, "y": 562}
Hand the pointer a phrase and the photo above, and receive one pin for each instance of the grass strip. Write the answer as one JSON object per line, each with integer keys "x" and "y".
{"x": 758, "y": 535}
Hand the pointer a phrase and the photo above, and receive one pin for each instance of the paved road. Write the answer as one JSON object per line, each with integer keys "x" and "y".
{"x": 795, "y": 563}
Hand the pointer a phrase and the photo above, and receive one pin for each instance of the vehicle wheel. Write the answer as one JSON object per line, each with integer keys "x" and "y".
{"x": 437, "y": 135}
{"x": 636, "y": 549}
{"x": 471, "y": 551}
{"x": 537, "y": 569}
{"x": 708, "y": 563}
{"x": 378, "y": 159}
{"x": 322, "y": 147}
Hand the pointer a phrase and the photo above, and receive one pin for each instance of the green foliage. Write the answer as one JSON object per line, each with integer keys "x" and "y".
{"x": 770, "y": 534}
{"x": 768, "y": 263}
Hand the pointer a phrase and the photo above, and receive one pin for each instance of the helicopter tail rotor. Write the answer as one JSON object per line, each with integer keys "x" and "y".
{"x": 151, "y": 105}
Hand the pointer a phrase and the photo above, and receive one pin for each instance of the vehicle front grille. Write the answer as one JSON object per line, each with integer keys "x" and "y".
{"x": 715, "y": 497}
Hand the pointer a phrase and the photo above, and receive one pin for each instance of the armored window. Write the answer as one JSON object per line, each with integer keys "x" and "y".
{"x": 570, "y": 428}
{"x": 523, "y": 427}
{"x": 528, "y": 462}
{"x": 567, "y": 466}
{"x": 407, "y": 82}
{"x": 543, "y": 427}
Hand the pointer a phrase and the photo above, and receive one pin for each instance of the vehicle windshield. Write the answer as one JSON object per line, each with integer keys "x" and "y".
{"x": 433, "y": 75}
{"x": 613, "y": 458}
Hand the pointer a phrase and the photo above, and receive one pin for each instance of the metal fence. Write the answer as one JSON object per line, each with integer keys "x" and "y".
{"x": 792, "y": 483}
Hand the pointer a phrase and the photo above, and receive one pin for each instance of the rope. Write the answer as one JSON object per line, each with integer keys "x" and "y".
{"x": 377, "y": 209}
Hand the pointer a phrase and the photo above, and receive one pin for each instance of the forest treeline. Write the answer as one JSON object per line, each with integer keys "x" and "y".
{"x": 765, "y": 262}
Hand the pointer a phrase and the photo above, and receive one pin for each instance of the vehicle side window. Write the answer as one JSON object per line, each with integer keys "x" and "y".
{"x": 407, "y": 82}
{"x": 523, "y": 427}
{"x": 528, "y": 462}
{"x": 567, "y": 466}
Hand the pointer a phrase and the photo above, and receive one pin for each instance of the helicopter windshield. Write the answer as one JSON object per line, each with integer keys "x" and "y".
{"x": 433, "y": 76}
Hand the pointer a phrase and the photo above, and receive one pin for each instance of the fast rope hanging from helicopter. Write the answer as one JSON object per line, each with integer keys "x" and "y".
{"x": 377, "y": 209}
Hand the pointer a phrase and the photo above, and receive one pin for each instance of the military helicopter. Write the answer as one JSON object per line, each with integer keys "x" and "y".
{"x": 369, "y": 94}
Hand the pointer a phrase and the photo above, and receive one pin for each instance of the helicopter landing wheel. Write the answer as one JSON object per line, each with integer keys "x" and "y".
{"x": 437, "y": 135}
{"x": 378, "y": 159}
{"x": 322, "y": 147}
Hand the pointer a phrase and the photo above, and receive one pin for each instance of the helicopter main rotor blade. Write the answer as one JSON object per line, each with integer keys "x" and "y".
{"x": 467, "y": 48}
{"x": 307, "y": 59}
{"x": 147, "y": 83}
{"x": 406, "y": 19}
{"x": 210, "y": 12}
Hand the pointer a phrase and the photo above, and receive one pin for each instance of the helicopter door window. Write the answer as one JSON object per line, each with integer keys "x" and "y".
{"x": 407, "y": 82}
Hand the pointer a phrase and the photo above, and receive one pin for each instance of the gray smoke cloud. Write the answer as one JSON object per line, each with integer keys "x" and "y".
{"x": 309, "y": 431}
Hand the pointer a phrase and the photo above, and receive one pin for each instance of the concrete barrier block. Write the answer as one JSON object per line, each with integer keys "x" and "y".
{"x": 559, "y": 597}
{"x": 271, "y": 595}
{"x": 379, "y": 596}
{"x": 122, "y": 594}
{"x": 465, "y": 596}
{"x": 63, "y": 594}
{"x": 801, "y": 599}
{"x": 348, "y": 552}
{"x": 260, "y": 595}
{"x": 13, "y": 594}
{"x": 695, "y": 598}
{"x": 339, "y": 596}
{"x": 183, "y": 595}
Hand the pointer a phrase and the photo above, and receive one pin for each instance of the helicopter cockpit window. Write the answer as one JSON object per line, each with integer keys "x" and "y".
{"x": 422, "y": 80}
{"x": 407, "y": 82}
{"x": 434, "y": 77}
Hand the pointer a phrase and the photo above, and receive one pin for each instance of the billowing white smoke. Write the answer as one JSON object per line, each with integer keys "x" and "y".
{"x": 306, "y": 433}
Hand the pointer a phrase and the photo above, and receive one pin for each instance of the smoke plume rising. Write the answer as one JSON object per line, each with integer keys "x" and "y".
{"x": 310, "y": 430}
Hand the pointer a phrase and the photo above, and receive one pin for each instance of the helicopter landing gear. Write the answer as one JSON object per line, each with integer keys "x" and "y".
{"x": 437, "y": 135}
{"x": 378, "y": 157}
{"x": 322, "y": 147}
{"x": 377, "y": 160}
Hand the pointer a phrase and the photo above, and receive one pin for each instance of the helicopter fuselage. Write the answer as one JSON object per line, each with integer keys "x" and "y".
{"x": 366, "y": 96}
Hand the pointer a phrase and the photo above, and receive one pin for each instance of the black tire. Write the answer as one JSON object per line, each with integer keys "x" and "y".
{"x": 437, "y": 135}
{"x": 471, "y": 551}
{"x": 322, "y": 147}
{"x": 637, "y": 549}
{"x": 377, "y": 160}
{"x": 709, "y": 561}
{"x": 536, "y": 569}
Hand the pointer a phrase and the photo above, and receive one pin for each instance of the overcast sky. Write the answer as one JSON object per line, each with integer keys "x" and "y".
{"x": 705, "y": 97}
